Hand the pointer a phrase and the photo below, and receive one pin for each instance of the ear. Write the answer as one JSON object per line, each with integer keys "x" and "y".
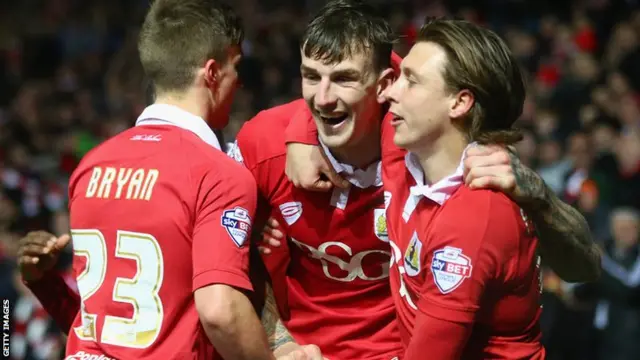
{"x": 385, "y": 80}
{"x": 461, "y": 104}
{"x": 211, "y": 69}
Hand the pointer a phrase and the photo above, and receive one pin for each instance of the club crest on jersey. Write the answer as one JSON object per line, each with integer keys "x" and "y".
{"x": 237, "y": 223}
{"x": 450, "y": 267}
{"x": 291, "y": 211}
{"x": 234, "y": 152}
{"x": 412, "y": 263}
{"x": 387, "y": 199}
{"x": 380, "y": 224}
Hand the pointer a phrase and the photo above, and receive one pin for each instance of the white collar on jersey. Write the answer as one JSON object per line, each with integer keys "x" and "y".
{"x": 165, "y": 114}
{"x": 440, "y": 191}
{"x": 363, "y": 179}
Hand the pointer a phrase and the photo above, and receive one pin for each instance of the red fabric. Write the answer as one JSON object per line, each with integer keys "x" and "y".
{"x": 173, "y": 213}
{"x": 586, "y": 39}
{"x": 331, "y": 279}
{"x": 445, "y": 269}
{"x": 549, "y": 75}
{"x": 57, "y": 298}
{"x": 68, "y": 163}
{"x": 411, "y": 34}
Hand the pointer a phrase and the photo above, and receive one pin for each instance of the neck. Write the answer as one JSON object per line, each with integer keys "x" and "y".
{"x": 188, "y": 101}
{"x": 362, "y": 153}
{"x": 440, "y": 158}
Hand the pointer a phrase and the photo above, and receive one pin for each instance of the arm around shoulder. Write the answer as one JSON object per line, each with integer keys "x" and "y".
{"x": 566, "y": 243}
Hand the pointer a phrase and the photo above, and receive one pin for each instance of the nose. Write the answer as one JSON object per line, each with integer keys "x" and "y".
{"x": 391, "y": 93}
{"x": 325, "y": 97}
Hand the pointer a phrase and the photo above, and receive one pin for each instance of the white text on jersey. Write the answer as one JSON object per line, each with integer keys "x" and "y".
{"x": 111, "y": 182}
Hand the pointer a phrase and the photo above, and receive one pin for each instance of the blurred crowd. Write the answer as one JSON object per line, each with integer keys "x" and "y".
{"x": 70, "y": 78}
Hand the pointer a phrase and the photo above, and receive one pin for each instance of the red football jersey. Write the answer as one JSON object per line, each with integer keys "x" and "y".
{"x": 461, "y": 256}
{"x": 156, "y": 213}
{"x": 336, "y": 282}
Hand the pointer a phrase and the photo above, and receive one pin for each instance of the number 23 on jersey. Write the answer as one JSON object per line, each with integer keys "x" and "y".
{"x": 141, "y": 291}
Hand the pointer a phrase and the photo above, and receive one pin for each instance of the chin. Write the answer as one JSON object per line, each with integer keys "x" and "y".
{"x": 335, "y": 140}
{"x": 401, "y": 140}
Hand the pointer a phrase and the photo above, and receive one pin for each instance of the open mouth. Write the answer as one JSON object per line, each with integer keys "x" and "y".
{"x": 334, "y": 120}
{"x": 396, "y": 119}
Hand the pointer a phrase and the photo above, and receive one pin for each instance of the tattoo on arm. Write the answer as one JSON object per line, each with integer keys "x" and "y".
{"x": 566, "y": 244}
{"x": 277, "y": 333}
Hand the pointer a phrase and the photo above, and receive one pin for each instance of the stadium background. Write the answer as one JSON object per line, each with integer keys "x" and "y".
{"x": 70, "y": 78}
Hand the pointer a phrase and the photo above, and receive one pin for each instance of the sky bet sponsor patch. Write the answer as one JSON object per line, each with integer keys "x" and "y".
{"x": 450, "y": 267}
{"x": 237, "y": 223}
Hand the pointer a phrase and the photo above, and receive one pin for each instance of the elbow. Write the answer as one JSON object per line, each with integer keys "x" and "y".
{"x": 217, "y": 308}
{"x": 217, "y": 317}
{"x": 593, "y": 268}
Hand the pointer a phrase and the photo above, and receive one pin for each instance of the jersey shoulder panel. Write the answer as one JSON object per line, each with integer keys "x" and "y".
{"x": 262, "y": 138}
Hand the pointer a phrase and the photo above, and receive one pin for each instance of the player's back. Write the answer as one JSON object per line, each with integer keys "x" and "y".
{"x": 132, "y": 204}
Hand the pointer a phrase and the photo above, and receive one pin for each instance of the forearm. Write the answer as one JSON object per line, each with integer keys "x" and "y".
{"x": 277, "y": 334}
{"x": 233, "y": 328}
{"x": 566, "y": 244}
{"x": 57, "y": 298}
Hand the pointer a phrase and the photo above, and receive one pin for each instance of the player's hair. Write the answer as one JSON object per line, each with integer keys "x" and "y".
{"x": 344, "y": 28}
{"x": 178, "y": 36}
{"x": 478, "y": 60}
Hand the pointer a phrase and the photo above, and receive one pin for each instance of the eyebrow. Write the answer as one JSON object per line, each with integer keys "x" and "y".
{"x": 407, "y": 71}
{"x": 350, "y": 73}
{"x": 304, "y": 68}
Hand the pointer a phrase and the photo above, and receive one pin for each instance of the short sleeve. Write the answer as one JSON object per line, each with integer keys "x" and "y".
{"x": 475, "y": 238}
{"x": 225, "y": 210}
{"x": 302, "y": 128}
{"x": 254, "y": 148}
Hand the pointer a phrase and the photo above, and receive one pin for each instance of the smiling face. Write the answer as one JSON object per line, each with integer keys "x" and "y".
{"x": 342, "y": 97}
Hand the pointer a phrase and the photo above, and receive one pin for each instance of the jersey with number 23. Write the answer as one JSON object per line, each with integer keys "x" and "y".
{"x": 156, "y": 213}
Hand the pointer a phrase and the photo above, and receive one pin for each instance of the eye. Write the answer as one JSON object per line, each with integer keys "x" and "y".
{"x": 309, "y": 76}
{"x": 343, "y": 79}
{"x": 410, "y": 80}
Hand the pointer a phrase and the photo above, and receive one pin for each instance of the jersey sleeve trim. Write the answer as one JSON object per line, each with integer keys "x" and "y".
{"x": 448, "y": 313}
{"x": 212, "y": 277}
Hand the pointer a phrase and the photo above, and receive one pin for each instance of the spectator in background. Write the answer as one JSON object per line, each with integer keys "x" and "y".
{"x": 593, "y": 209}
{"x": 552, "y": 166}
{"x": 580, "y": 151}
{"x": 35, "y": 335}
{"x": 627, "y": 177}
{"x": 617, "y": 294}
{"x": 70, "y": 78}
